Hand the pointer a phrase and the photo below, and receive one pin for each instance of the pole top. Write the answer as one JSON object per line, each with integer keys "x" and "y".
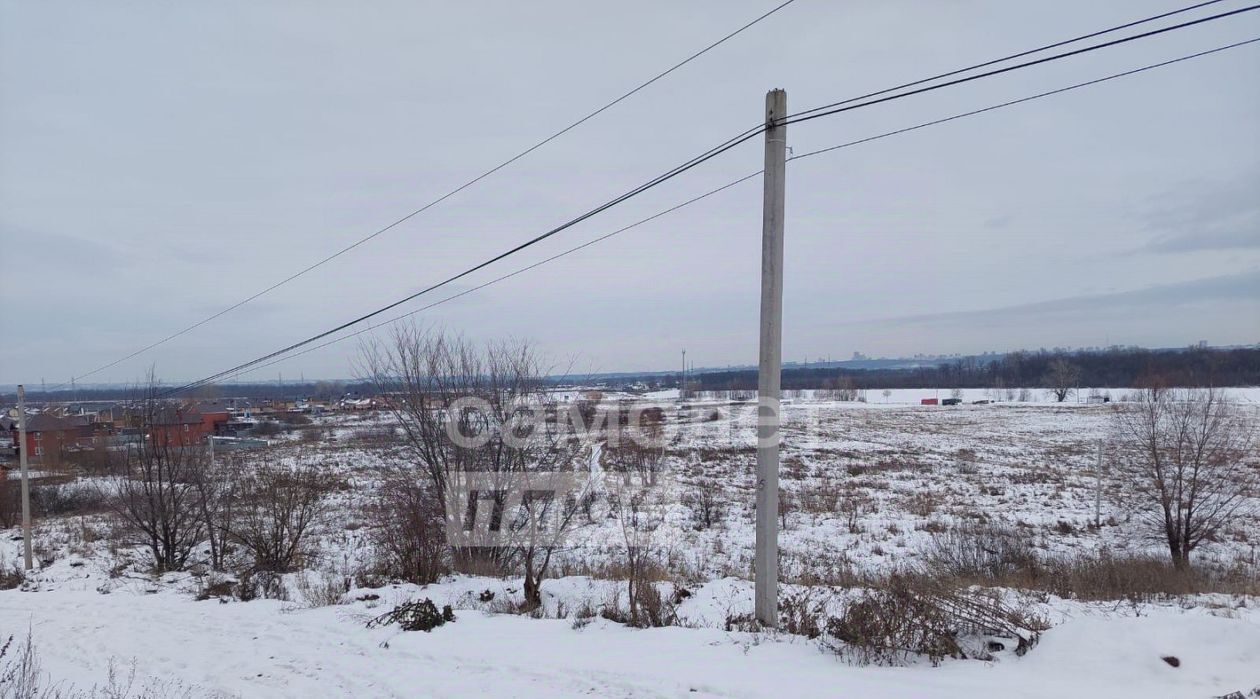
{"x": 776, "y": 106}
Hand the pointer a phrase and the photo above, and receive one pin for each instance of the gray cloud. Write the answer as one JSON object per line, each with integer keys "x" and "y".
{"x": 1160, "y": 297}
{"x": 162, "y": 161}
{"x": 1236, "y": 239}
{"x": 1223, "y": 309}
{"x": 1199, "y": 217}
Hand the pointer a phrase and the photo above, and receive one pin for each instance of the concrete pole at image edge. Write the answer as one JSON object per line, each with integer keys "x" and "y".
{"x": 766, "y": 560}
{"x": 26, "y": 478}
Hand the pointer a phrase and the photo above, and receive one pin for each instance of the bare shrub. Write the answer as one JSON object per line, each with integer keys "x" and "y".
{"x": 887, "y": 627}
{"x": 407, "y": 521}
{"x": 921, "y": 503}
{"x": 802, "y": 614}
{"x": 706, "y": 507}
{"x": 787, "y": 506}
{"x": 22, "y": 677}
{"x": 318, "y": 590}
{"x": 822, "y": 569}
{"x": 638, "y": 453}
{"x": 267, "y": 428}
{"x": 293, "y": 419}
{"x": 311, "y": 435}
{"x": 254, "y": 584}
{"x": 10, "y": 500}
{"x": 1182, "y": 460}
{"x": 980, "y": 553}
{"x": 854, "y": 505}
{"x": 1139, "y": 578}
{"x": 99, "y": 460}
{"x": 214, "y": 586}
{"x": 20, "y": 674}
{"x": 219, "y": 487}
{"x": 640, "y": 513}
{"x": 12, "y": 574}
{"x": 61, "y": 499}
{"x": 992, "y": 556}
{"x": 909, "y": 616}
{"x": 384, "y": 435}
{"x": 277, "y": 507}
{"x": 842, "y": 388}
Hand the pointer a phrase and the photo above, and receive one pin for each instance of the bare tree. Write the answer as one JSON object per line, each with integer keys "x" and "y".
{"x": 478, "y": 413}
{"x": 547, "y": 509}
{"x": 640, "y": 511}
{"x": 218, "y": 487}
{"x": 1061, "y": 378}
{"x": 1186, "y": 461}
{"x": 423, "y": 373}
{"x": 277, "y": 507}
{"x": 156, "y": 497}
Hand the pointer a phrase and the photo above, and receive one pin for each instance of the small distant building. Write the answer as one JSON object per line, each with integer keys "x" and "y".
{"x": 236, "y": 443}
{"x": 358, "y": 404}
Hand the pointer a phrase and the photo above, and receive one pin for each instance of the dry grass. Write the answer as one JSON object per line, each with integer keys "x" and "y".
{"x": 1005, "y": 557}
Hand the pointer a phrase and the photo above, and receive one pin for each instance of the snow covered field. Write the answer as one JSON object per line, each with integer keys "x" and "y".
{"x": 866, "y": 489}
{"x": 264, "y": 649}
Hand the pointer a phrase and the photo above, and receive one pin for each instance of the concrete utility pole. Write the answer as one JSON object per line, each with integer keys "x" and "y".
{"x": 769, "y": 367}
{"x": 682, "y": 382}
{"x": 1098, "y": 470}
{"x": 26, "y": 478}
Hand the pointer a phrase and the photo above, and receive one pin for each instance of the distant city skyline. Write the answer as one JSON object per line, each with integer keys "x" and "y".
{"x": 302, "y": 379}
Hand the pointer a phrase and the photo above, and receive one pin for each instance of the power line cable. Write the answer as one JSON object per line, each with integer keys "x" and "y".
{"x": 437, "y": 201}
{"x": 1021, "y": 54}
{"x": 708, "y": 155}
{"x": 837, "y": 108}
{"x": 741, "y": 180}
{"x": 751, "y": 131}
{"x": 711, "y": 153}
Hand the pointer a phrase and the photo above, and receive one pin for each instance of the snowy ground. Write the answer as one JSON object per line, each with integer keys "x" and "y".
{"x": 867, "y": 486}
{"x": 269, "y": 649}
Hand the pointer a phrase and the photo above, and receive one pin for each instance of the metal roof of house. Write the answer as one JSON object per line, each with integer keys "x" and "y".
{"x": 50, "y": 423}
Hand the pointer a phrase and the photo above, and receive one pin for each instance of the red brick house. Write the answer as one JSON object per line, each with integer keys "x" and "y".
{"x": 48, "y": 437}
{"x": 176, "y": 427}
{"x": 214, "y": 415}
{"x": 172, "y": 424}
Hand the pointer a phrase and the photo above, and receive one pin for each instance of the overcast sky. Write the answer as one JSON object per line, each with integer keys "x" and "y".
{"x": 160, "y": 161}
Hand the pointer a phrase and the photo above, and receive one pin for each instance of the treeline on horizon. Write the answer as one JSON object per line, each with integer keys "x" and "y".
{"x": 1112, "y": 368}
